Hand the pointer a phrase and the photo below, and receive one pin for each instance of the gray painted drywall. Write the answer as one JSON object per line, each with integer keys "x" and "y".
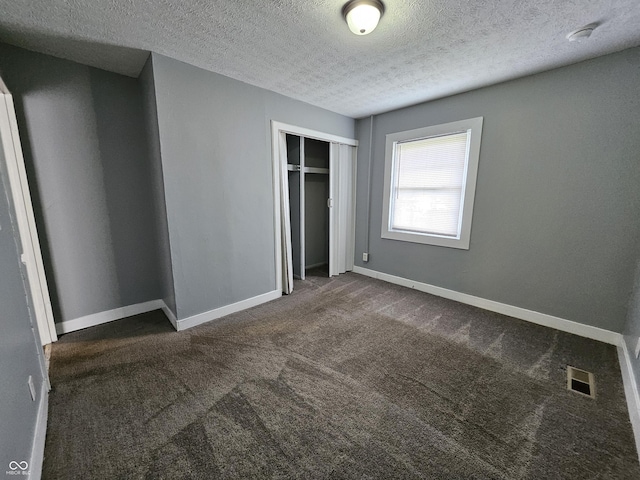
{"x": 294, "y": 112}
{"x": 19, "y": 343}
{"x": 127, "y": 173}
{"x": 632, "y": 327}
{"x": 556, "y": 209}
{"x": 316, "y": 215}
{"x": 316, "y": 154}
{"x": 295, "y": 212}
{"x": 60, "y": 140}
{"x": 216, "y": 186}
{"x": 215, "y": 141}
{"x": 160, "y": 227}
{"x": 86, "y": 155}
{"x": 293, "y": 149}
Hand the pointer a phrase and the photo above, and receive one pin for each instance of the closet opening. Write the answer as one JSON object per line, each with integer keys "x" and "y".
{"x": 316, "y": 206}
{"x": 314, "y": 180}
{"x": 309, "y": 193}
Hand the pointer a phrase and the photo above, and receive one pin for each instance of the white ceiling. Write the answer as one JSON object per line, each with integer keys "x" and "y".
{"x": 420, "y": 51}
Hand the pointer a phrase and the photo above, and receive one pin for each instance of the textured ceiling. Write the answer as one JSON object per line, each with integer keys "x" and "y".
{"x": 420, "y": 51}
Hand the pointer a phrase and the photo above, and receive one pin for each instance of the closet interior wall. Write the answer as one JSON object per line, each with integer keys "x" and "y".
{"x": 316, "y": 188}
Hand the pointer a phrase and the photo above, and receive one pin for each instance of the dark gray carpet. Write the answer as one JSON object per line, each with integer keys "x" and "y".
{"x": 346, "y": 378}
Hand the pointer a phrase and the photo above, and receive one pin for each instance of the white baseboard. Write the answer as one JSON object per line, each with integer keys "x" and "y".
{"x": 532, "y": 316}
{"x": 315, "y": 265}
{"x": 632, "y": 393}
{"x": 200, "y": 318}
{"x": 182, "y": 324}
{"x": 170, "y": 315}
{"x": 40, "y": 434}
{"x": 630, "y": 390}
{"x": 108, "y": 316}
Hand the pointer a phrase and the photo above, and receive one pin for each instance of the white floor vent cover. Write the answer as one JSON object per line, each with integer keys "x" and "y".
{"x": 581, "y": 382}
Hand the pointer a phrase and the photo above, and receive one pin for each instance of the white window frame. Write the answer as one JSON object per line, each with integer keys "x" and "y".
{"x": 474, "y": 127}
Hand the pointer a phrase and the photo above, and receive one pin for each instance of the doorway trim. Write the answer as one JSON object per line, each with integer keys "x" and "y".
{"x": 276, "y": 129}
{"x": 31, "y": 251}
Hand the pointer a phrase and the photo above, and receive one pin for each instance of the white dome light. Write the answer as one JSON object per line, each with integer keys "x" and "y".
{"x": 363, "y": 16}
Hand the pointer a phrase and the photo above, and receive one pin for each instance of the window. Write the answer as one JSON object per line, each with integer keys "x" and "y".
{"x": 430, "y": 182}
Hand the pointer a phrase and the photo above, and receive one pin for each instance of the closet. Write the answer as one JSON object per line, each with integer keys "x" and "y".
{"x": 308, "y": 174}
{"x": 320, "y": 176}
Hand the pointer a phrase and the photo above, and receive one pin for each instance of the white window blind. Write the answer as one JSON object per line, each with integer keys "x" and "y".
{"x": 427, "y": 186}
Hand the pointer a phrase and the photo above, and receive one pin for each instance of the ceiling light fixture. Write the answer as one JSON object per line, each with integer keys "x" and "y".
{"x": 582, "y": 32}
{"x": 362, "y": 16}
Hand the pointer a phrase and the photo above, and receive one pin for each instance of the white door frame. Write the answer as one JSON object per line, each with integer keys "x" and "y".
{"x": 303, "y": 214}
{"x": 276, "y": 129}
{"x": 31, "y": 253}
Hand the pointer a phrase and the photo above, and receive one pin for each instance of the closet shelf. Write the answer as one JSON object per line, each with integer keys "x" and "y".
{"x": 296, "y": 168}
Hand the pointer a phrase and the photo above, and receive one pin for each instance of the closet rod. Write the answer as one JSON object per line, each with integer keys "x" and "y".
{"x": 316, "y": 170}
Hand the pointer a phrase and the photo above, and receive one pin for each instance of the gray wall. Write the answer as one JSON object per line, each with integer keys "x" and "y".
{"x": 216, "y": 159}
{"x": 316, "y": 212}
{"x": 295, "y": 210}
{"x": 128, "y": 186}
{"x": 556, "y": 210}
{"x": 632, "y": 327}
{"x": 86, "y": 154}
{"x": 316, "y": 216}
{"x": 160, "y": 227}
{"x": 19, "y": 351}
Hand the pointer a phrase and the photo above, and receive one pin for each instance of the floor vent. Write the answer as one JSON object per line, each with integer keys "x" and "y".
{"x": 581, "y": 382}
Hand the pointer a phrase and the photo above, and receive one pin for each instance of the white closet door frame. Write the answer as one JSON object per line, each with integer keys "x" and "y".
{"x": 334, "y": 217}
{"x": 343, "y": 167}
{"x": 276, "y": 129}
{"x": 31, "y": 252}
{"x": 351, "y": 211}
{"x": 301, "y": 202}
{"x": 285, "y": 225}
